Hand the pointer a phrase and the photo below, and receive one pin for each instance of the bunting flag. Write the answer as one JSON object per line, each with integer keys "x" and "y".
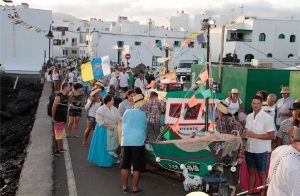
{"x": 192, "y": 102}
{"x": 203, "y": 59}
{"x": 186, "y": 42}
{"x": 158, "y": 44}
{"x": 16, "y": 20}
{"x": 200, "y": 38}
{"x": 176, "y": 125}
{"x": 207, "y": 93}
{"x": 201, "y": 88}
{"x": 194, "y": 34}
{"x": 95, "y": 69}
{"x": 203, "y": 76}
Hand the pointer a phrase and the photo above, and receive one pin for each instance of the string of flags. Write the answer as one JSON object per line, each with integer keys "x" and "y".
{"x": 192, "y": 102}
{"x": 15, "y": 18}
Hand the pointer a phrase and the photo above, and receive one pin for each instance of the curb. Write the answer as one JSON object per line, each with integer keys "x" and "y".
{"x": 37, "y": 173}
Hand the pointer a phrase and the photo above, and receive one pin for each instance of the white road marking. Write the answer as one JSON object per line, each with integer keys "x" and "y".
{"x": 69, "y": 170}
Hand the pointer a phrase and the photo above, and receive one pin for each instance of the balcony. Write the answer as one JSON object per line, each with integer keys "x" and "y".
{"x": 238, "y": 40}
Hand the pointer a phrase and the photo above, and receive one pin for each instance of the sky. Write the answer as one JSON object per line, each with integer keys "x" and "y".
{"x": 161, "y": 10}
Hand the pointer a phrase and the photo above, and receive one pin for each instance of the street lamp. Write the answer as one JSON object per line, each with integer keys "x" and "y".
{"x": 49, "y": 36}
{"x": 206, "y": 24}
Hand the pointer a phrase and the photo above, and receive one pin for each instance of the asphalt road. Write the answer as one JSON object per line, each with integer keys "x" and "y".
{"x": 91, "y": 180}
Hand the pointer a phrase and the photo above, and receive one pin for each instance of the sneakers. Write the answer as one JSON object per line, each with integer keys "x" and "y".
{"x": 113, "y": 154}
{"x": 125, "y": 191}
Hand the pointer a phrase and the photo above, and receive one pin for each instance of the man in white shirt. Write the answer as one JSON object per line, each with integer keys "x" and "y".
{"x": 114, "y": 80}
{"x": 283, "y": 106}
{"x": 259, "y": 134}
{"x": 124, "y": 80}
{"x": 140, "y": 82}
{"x": 284, "y": 172}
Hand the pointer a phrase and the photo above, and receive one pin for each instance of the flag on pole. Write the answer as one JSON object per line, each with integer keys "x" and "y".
{"x": 200, "y": 38}
{"x": 95, "y": 69}
{"x": 203, "y": 76}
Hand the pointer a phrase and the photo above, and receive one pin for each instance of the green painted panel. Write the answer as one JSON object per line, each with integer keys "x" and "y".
{"x": 234, "y": 77}
{"x": 295, "y": 84}
{"x": 189, "y": 94}
{"x": 196, "y": 69}
{"x": 269, "y": 80}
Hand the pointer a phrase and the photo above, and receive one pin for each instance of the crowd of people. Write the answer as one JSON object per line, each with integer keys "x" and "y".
{"x": 120, "y": 120}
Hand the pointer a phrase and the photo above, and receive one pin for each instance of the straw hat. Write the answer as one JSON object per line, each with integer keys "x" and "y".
{"x": 138, "y": 101}
{"x": 222, "y": 106}
{"x": 94, "y": 92}
{"x": 99, "y": 83}
{"x": 234, "y": 91}
{"x": 285, "y": 90}
{"x": 117, "y": 74}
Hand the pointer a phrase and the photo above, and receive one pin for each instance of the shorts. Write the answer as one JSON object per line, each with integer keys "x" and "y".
{"x": 75, "y": 112}
{"x": 91, "y": 119}
{"x": 258, "y": 161}
{"x": 59, "y": 130}
{"x": 134, "y": 155}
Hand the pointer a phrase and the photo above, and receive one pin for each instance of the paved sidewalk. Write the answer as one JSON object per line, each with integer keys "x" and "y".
{"x": 92, "y": 180}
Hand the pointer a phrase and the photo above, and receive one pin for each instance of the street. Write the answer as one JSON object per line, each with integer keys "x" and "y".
{"x": 85, "y": 179}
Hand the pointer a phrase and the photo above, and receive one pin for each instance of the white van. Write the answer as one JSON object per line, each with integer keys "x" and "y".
{"x": 185, "y": 68}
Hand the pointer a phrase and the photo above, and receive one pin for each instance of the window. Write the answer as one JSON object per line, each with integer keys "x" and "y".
{"x": 292, "y": 38}
{"x": 248, "y": 57}
{"x": 175, "y": 109}
{"x": 56, "y": 42}
{"x": 281, "y": 36}
{"x": 120, "y": 44}
{"x": 65, "y": 52}
{"x": 137, "y": 43}
{"x": 262, "y": 37}
{"x": 63, "y": 42}
{"x": 177, "y": 43}
{"x": 191, "y": 45}
{"x": 269, "y": 55}
{"x": 67, "y": 40}
{"x": 192, "y": 113}
{"x": 290, "y": 55}
{"x": 74, "y": 42}
{"x": 74, "y": 51}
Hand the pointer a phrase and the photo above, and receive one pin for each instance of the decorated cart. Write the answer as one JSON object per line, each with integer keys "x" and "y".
{"x": 184, "y": 147}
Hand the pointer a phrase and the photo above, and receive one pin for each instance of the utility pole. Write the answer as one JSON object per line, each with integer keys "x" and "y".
{"x": 207, "y": 82}
{"x": 221, "y": 57}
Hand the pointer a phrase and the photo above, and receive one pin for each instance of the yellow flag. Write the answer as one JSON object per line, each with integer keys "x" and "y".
{"x": 155, "y": 46}
{"x": 194, "y": 34}
{"x": 87, "y": 72}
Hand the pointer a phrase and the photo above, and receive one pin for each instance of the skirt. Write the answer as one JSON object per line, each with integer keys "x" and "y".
{"x": 98, "y": 153}
{"x": 59, "y": 130}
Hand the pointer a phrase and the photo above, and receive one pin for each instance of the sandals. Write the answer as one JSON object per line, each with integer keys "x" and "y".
{"x": 125, "y": 190}
{"x": 137, "y": 192}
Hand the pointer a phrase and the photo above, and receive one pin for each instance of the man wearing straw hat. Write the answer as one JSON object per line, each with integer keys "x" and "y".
{"x": 134, "y": 126}
{"x": 283, "y": 105}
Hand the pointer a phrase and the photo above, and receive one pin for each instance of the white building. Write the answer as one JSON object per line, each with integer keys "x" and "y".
{"x": 269, "y": 42}
{"x": 21, "y": 49}
{"x": 117, "y": 38}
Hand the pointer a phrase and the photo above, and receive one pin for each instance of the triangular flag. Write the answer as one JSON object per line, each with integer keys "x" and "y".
{"x": 200, "y": 38}
{"x": 194, "y": 34}
{"x": 203, "y": 76}
{"x": 206, "y": 93}
{"x": 176, "y": 124}
{"x": 201, "y": 88}
{"x": 203, "y": 59}
{"x": 192, "y": 102}
{"x": 183, "y": 113}
{"x": 211, "y": 126}
{"x": 186, "y": 42}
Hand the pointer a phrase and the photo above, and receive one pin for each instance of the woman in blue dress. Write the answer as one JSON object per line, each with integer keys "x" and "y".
{"x": 105, "y": 137}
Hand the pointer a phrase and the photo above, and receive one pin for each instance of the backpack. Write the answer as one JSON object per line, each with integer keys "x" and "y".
{"x": 51, "y": 101}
